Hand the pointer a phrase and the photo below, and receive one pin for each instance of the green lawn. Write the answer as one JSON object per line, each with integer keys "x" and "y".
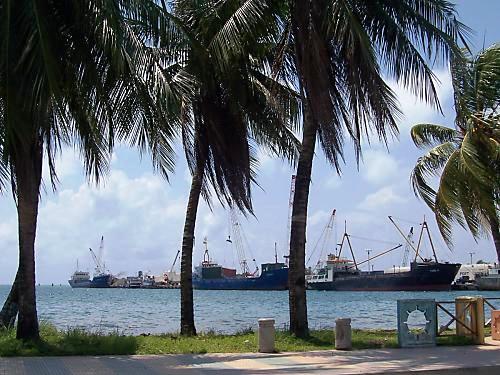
{"x": 79, "y": 342}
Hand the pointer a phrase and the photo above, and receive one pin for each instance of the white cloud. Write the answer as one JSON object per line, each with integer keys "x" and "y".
{"x": 333, "y": 182}
{"x": 384, "y": 197}
{"x": 140, "y": 220}
{"x": 67, "y": 164}
{"x": 378, "y": 167}
{"x": 414, "y": 109}
{"x": 319, "y": 217}
{"x": 187, "y": 176}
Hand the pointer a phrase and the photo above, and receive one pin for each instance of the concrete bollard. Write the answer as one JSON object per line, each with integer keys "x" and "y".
{"x": 479, "y": 336}
{"x": 470, "y": 311}
{"x": 464, "y": 314}
{"x": 343, "y": 335}
{"x": 495, "y": 325}
{"x": 266, "y": 335}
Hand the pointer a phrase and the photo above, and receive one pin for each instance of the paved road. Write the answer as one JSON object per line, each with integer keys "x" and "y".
{"x": 453, "y": 360}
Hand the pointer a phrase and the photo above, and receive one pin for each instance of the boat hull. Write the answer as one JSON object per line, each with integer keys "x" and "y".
{"x": 488, "y": 283}
{"x": 271, "y": 280}
{"x": 80, "y": 283}
{"x": 422, "y": 277}
{"x": 102, "y": 281}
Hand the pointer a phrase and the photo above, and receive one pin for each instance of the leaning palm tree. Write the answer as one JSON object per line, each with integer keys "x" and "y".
{"x": 467, "y": 158}
{"x": 237, "y": 105}
{"x": 340, "y": 49}
{"x": 79, "y": 75}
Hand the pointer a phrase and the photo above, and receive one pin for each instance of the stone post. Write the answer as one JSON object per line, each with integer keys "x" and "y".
{"x": 266, "y": 335}
{"x": 343, "y": 336}
{"x": 479, "y": 320}
{"x": 495, "y": 324}
{"x": 464, "y": 314}
{"x": 470, "y": 311}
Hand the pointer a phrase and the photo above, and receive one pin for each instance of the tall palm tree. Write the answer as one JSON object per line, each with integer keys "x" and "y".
{"x": 467, "y": 158}
{"x": 341, "y": 48}
{"x": 78, "y": 74}
{"x": 237, "y": 105}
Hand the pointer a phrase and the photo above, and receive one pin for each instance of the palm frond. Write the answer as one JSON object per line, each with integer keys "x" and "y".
{"x": 428, "y": 166}
{"x": 430, "y": 135}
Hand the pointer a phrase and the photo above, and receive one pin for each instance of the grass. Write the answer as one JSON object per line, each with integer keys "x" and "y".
{"x": 80, "y": 342}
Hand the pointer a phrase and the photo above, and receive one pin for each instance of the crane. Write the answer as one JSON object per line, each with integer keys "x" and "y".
{"x": 286, "y": 249}
{"x": 240, "y": 243}
{"x": 324, "y": 239}
{"x": 409, "y": 242}
{"x": 175, "y": 260}
{"x": 99, "y": 267}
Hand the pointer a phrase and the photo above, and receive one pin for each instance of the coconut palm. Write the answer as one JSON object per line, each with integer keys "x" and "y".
{"x": 77, "y": 74}
{"x": 466, "y": 159}
{"x": 340, "y": 50}
{"x": 236, "y": 107}
{"x": 336, "y": 51}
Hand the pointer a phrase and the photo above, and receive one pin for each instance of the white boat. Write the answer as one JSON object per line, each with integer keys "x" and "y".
{"x": 80, "y": 279}
{"x": 490, "y": 281}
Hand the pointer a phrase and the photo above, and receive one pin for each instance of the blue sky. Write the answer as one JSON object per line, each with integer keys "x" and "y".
{"x": 141, "y": 216}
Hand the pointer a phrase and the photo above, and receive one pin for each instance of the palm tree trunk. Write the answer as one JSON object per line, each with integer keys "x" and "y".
{"x": 11, "y": 305}
{"x": 495, "y": 233}
{"x": 187, "y": 309}
{"x": 28, "y": 171}
{"x": 296, "y": 274}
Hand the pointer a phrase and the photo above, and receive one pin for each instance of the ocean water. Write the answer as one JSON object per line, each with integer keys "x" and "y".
{"x": 137, "y": 311}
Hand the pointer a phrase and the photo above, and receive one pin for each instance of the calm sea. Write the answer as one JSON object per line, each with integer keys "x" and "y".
{"x": 136, "y": 311}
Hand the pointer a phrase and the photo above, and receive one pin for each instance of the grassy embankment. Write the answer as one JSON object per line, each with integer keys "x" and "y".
{"x": 78, "y": 342}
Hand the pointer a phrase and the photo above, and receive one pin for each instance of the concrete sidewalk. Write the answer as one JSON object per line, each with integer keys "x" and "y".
{"x": 483, "y": 359}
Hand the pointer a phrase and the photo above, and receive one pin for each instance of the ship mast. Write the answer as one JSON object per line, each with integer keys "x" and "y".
{"x": 346, "y": 237}
{"x": 408, "y": 240}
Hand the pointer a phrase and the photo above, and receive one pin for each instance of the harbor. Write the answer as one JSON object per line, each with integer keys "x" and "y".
{"x": 338, "y": 272}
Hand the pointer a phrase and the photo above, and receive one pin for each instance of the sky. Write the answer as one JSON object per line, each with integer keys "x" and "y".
{"x": 141, "y": 215}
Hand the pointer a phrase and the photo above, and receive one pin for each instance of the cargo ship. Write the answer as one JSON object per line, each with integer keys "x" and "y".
{"x": 101, "y": 279}
{"x": 210, "y": 275}
{"x": 423, "y": 274}
{"x": 81, "y": 279}
{"x": 341, "y": 274}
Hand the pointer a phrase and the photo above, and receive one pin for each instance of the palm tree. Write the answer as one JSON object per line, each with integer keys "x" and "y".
{"x": 10, "y": 307}
{"x": 80, "y": 75}
{"x": 237, "y": 105}
{"x": 466, "y": 158}
{"x": 340, "y": 50}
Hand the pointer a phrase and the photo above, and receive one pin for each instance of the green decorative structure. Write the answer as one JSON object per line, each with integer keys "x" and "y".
{"x": 417, "y": 323}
